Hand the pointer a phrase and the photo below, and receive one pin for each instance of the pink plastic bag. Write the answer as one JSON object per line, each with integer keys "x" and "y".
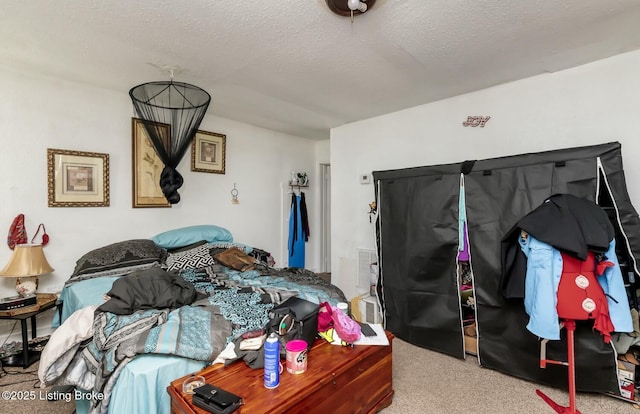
{"x": 348, "y": 330}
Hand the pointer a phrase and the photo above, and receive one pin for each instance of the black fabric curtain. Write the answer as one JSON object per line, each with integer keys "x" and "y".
{"x": 171, "y": 113}
{"x": 417, "y": 242}
{"x": 419, "y": 248}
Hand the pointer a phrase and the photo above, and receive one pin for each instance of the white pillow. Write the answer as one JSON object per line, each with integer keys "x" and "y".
{"x": 63, "y": 343}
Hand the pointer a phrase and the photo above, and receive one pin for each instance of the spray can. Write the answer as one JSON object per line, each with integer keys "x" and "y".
{"x": 272, "y": 362}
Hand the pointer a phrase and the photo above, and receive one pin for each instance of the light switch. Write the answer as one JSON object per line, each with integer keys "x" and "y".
{"x": 365, "y": 178}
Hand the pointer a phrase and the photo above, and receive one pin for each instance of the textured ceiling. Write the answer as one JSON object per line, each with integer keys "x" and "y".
{"x": 294, "y": 66}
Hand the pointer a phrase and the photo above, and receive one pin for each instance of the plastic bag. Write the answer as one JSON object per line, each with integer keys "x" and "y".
{"x": 348, "y": 330}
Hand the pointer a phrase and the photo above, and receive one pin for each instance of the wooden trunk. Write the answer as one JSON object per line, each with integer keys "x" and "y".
{"x": 338, "y": 379}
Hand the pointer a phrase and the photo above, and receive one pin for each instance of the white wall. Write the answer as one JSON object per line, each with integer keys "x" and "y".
{"x": 586, "y": 105}
{"x": 38, "y": 112}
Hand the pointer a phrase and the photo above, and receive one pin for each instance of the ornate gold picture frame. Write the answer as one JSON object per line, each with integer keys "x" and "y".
{"x": 77, "y": 179}
{"x": 208, "y": 152}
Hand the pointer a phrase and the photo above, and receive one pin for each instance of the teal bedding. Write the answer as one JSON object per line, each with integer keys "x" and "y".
{"x": 148, "y": 375}
{"x": 141, "y": 383}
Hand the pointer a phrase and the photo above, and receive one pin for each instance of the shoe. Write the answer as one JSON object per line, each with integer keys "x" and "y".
{"x": 629, "y": 357}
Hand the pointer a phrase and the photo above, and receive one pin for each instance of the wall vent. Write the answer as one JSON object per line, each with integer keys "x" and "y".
{"x": 370, "y": 310}
{"x": 365, "y": 258}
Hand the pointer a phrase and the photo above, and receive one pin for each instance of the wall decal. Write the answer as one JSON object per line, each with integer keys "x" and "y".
{"x": 475, "y": 121}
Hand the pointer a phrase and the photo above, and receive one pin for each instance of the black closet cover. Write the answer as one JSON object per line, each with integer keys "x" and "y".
{"x": 417, "y": 244}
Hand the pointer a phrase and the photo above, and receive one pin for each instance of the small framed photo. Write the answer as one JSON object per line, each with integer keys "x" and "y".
{"x": 208, "y": 152}
{"x": 77, "y": 179}
{"x": 147, "y": 166}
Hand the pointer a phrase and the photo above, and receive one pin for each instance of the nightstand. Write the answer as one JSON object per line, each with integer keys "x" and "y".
{"x": 45, "y": 301}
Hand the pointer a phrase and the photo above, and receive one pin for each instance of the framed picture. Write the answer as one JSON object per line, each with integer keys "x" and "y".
{"x": 147, "y": 166}
{"x": 77, "y": 179}
{"x": 208, "y": 151}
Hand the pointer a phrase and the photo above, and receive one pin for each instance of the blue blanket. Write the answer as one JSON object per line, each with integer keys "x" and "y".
{"x": 196, "y": 332}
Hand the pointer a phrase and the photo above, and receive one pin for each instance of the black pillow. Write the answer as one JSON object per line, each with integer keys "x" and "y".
{"x": 187, "y": 247}
{"x": 126, "y": 254}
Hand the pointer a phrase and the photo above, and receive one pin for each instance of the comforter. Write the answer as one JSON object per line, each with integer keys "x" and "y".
{"x": 232, "y": 303}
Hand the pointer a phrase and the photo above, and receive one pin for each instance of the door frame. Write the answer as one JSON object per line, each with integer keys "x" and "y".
{"x": 325, "y": 217}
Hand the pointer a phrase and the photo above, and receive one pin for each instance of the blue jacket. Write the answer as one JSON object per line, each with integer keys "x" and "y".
{"x": 544, "y": 268}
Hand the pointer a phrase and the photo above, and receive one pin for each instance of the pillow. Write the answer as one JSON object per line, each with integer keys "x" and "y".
{"x": 63, "y": 344}
{"x": 119, "y": 271}
{"x": 191, "y": 259}
{"x": 184, "y": 236}
{"x": 187, "y": 247}
{"x": 123, "y": 254}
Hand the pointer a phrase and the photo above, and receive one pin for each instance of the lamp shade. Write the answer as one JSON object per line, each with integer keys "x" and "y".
{"x": 27, "y": 260}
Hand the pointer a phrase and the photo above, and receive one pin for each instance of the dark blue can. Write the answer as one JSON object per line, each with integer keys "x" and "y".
{"x": 272, "y": 362}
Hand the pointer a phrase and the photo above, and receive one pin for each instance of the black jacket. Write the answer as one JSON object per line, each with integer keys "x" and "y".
{"x": 153, "y": 288}
{"x": 568, "y": 223}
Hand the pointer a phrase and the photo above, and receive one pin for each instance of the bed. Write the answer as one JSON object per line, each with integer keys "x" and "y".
{"x": 176, "y": 303}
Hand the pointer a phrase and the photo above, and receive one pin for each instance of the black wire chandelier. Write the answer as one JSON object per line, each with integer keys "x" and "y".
{"x": 171, "y": 113}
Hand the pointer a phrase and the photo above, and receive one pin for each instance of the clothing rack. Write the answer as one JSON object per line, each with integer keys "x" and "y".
{"x": 297, "y": 188}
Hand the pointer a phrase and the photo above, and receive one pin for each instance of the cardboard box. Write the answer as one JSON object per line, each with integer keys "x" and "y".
{"x": 626, "y": 376}
{"x": 470, "y": 330}
{"x": 355, "y": 307}
{"x": 471, "y": 345}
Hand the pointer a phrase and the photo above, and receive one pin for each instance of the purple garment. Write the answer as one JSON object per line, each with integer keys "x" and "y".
{"x": 463, "y": 254}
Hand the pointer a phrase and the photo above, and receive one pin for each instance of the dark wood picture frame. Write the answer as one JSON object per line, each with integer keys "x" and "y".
{"x": 146, "y": 166}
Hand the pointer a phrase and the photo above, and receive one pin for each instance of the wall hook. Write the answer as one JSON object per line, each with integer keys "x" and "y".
{"x": 234, "y": 195}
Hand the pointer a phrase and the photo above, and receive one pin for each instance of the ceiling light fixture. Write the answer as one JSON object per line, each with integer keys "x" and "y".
{"x": 357, "y": 5}
{"x": 350, "y": 7}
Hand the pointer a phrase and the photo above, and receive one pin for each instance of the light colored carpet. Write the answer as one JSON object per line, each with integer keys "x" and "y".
{"x": 429, "y": 382}
{"x": 424, "y": 381}
{"x": 20, "y": 393}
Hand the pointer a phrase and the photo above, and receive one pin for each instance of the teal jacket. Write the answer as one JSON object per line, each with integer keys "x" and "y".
{"x": 544, "y": 268}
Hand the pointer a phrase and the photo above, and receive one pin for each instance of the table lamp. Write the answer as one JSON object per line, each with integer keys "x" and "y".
{"x": 27, "y": 261}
